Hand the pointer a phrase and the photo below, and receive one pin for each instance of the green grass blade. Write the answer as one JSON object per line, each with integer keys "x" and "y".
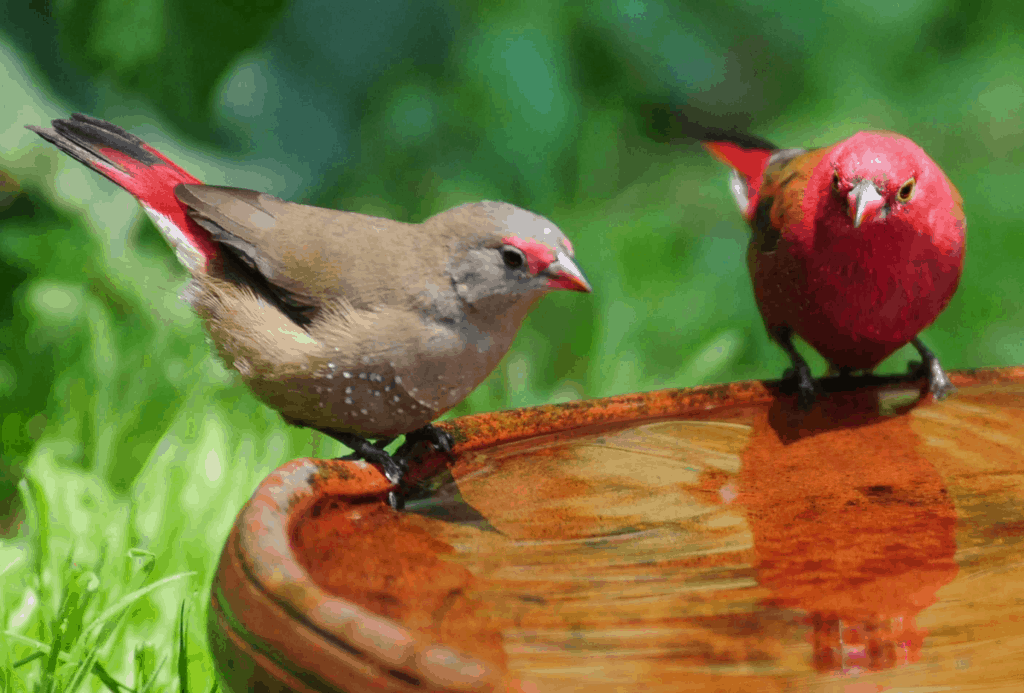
{"x": 85, "y": 667}
{"x": 127, "y": 600}
{"x": 152, "y": 680}
{"x": 182, "y": 650}
{"x": 30, "y": 658}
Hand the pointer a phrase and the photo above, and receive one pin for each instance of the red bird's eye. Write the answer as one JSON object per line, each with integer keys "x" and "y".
{"x": 906, "y": 191}
{"x": 835, "y": 181}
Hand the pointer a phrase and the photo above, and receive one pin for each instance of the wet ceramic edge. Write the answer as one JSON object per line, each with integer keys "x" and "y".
{"x": 263, "y": 546}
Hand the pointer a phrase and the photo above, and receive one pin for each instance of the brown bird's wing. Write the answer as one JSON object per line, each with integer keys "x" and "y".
{"x": 307, "y": 255}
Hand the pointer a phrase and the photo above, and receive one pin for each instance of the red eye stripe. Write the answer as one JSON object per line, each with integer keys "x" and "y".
{"x": 538, "y": 255}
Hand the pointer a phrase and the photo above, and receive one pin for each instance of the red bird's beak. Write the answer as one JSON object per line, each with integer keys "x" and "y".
{"x": 564, "y": 274}
{"x": 865, "y": 202}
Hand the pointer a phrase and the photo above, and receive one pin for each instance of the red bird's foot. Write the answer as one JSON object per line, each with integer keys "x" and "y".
{"x": 939, "y": 384}
{"x": 800, "y": 380}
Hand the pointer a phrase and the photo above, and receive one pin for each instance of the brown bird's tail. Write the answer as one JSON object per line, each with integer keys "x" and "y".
{"x": 142, "y": 171}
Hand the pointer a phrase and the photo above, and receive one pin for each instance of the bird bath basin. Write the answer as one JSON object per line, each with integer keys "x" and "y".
{"x": 715, "y": 538}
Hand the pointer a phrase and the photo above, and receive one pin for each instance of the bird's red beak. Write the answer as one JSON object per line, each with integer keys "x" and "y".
{"x": 564, "y": 274}
{"x": 864, "y": 202}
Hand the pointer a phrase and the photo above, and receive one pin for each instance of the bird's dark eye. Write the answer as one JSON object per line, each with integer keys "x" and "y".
{"x": 835, "y": 181}
{"x": 907, "y": 190}
{"x": 512, "y": 256}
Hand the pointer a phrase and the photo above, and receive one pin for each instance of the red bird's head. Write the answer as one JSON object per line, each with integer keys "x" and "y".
{"x": 884, "y": 178}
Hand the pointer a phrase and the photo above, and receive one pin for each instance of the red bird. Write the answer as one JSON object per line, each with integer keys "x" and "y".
{"x": 856, "y": 247}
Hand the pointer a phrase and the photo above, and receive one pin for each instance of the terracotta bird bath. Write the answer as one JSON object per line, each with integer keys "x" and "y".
{"x": 715, "y": 539}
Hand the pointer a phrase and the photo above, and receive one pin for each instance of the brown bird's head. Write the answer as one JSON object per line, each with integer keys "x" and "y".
{"x": 510, "y": 255}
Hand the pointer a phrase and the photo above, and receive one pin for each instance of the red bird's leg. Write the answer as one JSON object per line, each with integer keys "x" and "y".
{"x": 800, "y": 373}
{"x": 938, "y": 382}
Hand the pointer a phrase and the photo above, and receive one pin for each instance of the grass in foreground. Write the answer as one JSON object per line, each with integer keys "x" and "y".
{"x": 108, "y": 623}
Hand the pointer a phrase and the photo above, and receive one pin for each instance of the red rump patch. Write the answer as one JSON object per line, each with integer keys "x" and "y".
{"x": 538, "y": 255}
{"x": 751, "y": 163}
{"x": 154, "y": 188}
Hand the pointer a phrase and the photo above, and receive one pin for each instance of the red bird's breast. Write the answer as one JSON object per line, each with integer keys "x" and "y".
{"x": 855, "y": 293}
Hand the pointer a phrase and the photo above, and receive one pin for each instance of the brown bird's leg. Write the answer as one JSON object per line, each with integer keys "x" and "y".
{"x": 799, "y": 375}
{"x": 938, "y": 382}
{"x": 438, "y": 437}
{"x": 394, "y": 466}
{"x": 393, "y": 469}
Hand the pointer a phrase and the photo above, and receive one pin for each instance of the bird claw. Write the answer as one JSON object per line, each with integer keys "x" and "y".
{"x": 442, "y": 440}
{"x": 439, "y": 438}
{"x": 391, "y": 466}
{"x": 939, "y": 384}
{"x": 394, "y": 467}
{"x": 396, "y": 500}
{"x": 799, "y": 378}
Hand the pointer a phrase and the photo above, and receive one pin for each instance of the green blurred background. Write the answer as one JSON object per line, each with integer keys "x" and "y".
{"x": 402, "y": 108}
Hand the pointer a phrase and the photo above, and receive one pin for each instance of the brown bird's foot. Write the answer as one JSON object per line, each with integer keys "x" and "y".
{"x": 798, "y": 377}
{"x": 395, "y": 466}
{"x": 411, "y": 449}
{"x": 939, "y": 383}
{"x": 438, "y": 437}
{"x": 392, "y": 468}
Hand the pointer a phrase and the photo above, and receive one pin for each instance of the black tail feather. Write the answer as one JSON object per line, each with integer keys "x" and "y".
{"x": 82, "y": 137}
{"x": 668, "y": 124}
{"x": 740, "y": 139}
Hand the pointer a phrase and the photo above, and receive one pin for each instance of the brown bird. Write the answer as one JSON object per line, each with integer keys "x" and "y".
{"x": 357, "y": 326}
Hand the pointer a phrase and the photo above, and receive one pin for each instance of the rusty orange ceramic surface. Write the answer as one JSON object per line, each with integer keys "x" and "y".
{"x": 712, "y": 539}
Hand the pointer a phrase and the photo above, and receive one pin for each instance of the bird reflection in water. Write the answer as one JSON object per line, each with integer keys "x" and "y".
{"x": 851, "y": 526}
{"x": 866, "y": 645}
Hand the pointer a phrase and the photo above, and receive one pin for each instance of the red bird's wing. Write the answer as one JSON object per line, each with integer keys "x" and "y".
{"x": 778, "y": 207}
